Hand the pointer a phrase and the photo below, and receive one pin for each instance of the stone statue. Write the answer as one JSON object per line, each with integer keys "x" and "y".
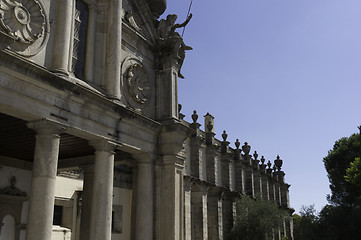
{"x": 171, "y": 42}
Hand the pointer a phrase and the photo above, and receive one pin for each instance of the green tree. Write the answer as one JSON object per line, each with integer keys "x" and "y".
{"x": 339, "y": 223}
{"x": 353, "y": 177}
{"x": 345, "y": 151}
{"x": 305, "y": 225}
{"x": 257, "y": 220}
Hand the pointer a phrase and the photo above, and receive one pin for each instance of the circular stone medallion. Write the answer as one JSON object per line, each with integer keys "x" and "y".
{"x": 25, "y": 21}
{"x": 136, "y": 84}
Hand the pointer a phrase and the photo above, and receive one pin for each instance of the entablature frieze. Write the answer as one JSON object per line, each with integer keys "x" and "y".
{"x": 88, "y": 113}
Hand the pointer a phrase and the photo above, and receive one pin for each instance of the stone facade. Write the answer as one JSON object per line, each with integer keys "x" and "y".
{"x": 92, "y": 141}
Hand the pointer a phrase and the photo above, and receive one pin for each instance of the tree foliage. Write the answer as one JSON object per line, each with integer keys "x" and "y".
{"x": 305, "y": 225}
{"x": 340, "y": 222}
{"x": 257, "y": 220}
{"x": 332, "y": 223}
{"x": 344, "y": 191}
{"x": 353, "y": 177}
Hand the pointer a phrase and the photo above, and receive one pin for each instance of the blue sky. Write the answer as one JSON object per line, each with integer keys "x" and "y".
{"x": 283, "y": 75}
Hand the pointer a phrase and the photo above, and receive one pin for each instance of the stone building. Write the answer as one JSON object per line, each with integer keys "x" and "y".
{"x": 92, "y": 141}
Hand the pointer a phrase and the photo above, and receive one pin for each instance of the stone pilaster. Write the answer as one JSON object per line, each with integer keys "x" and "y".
{"x": 86, "y": 205}
{"x": 90, "y": 44}
{"x": 102, "y": 198}
{"x": 62, "y": 33}
{"x": 289, "y": 225}
{"x": 272, "y": 193}
{"x": 257, "y": 183}
{"x": 211, "y": 164}
{"x": 144, "y": 197}
{"x": 277, "y": 193}
{"x": 265, "y": 187}
{"x": 199, "y": 205}
{"x": 285, "y": 199}
{"x": 226, "y": 170}
{"x": 214, "y": 208}
{"x": 257, "y": 176}
{"x": 227, "y": 213}
{"x": 196, "y": 144}
{"x": 247, "y": 159}
{"x": 249, "y": 181}
{"x": 42, "y": 194}
{"x": 169, "y": 185}
{"x": 114, "y": 48}
{"x": 187, "y": 208}
{"x": 167, "y": 96}
{"x": 239, "y": 169}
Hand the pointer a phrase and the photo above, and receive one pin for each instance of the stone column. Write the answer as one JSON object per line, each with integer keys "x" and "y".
{"x": 62, "y": 33}
{"x": 214, "y": 214}
{"x": 144, "y": 198}
{"x": 199, "y": 205}
{"x": 102, "y": 199}
{"x": 86, "y": 204}
{"x": 114, "y": 49}
{"x": 42, "y": 193}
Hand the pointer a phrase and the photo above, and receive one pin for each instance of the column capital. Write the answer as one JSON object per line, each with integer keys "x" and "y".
{"x": 103, "y": 145}
{"x": 46, "y": 127}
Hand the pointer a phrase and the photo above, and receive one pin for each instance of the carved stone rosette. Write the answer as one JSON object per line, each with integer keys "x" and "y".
{"x": 26, "y": 23}
{"x": 136, "y": 83}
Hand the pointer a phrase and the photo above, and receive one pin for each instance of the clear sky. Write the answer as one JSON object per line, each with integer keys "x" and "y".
{"x": 283, "y": 75}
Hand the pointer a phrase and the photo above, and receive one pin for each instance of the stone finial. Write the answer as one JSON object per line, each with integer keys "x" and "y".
{"x": 278, "y": 163}
{"x": 255, "y": 155}
{"x": 269, "y": 169}
{"x": 262, "y": 166}
{"x": 208, "y": 121}
{"x": 224, "y": 136}
{"x": 237, "y": 143}
{"x": 269, "y": 164}
{"x": 263, "y": 159}
{"x": 194, "y": 116}
{"x": 246, "y": 148}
